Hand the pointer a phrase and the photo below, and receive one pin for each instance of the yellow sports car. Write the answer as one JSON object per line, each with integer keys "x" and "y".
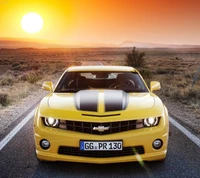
{"x": 101, "y": 114}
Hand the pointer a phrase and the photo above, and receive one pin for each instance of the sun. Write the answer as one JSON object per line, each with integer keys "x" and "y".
{"x": 32, "y": 22}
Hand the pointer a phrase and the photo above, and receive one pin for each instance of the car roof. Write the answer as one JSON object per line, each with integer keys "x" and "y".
{"x": 101, "y": 68}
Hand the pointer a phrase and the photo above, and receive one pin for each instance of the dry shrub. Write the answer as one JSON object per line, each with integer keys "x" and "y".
{"x": 31, "y": 77}
{"x": 22, "y": 66}
{"x": 193, "y": 92}
{"x": 34, "y": 66}
{"x": 15, "y": 65}
{"x": 195, "y": 104}
{"x": 7, "y": 81}
{"x": 46, "y": 68}
{"x": 171, "y": 91}
{"x": 60, "y": 65}
{"x": 55, "y": 71}
{"x": 189, "y": 76}
{"x": 182, "y": 83}
{"x": 162, "y": 71}
{"x": 146, "y": 73}
{"x": 135, "y": 58}
{"x": 4, "y": 99}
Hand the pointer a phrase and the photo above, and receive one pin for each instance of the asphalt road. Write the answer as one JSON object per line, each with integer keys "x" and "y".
{"x": 17, "y": 159}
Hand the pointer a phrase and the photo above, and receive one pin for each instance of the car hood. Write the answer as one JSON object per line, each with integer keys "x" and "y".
{"x": 104, "y": 100}
{"x": 101, "y": 105}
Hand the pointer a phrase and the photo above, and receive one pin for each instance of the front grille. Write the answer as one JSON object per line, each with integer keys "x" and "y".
{"x": 74, "y": 151}
{"x": 87, "y": 127}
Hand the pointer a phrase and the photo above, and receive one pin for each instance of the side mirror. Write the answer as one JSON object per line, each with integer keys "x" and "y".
{"x": 47, "y": 86}
{"x": 154, "y": 85}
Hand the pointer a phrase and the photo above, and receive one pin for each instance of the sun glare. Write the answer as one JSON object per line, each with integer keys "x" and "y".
{"x": 32, "y": 22}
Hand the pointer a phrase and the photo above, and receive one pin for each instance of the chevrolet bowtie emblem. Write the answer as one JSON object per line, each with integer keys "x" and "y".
{"x": 101, "y": 128}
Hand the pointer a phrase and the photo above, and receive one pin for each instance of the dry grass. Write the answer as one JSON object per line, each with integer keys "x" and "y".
{"x": 28, "y": 68}
{"x": 174, "y": 68}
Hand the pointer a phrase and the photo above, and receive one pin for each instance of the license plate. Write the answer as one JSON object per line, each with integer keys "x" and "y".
{"x": 101, "y": 145}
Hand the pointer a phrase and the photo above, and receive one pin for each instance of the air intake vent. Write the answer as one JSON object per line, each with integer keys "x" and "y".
{"x": 74, "y": 151}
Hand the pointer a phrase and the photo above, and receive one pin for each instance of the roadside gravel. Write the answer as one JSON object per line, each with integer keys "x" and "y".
{"x": 11, "y": 113}
{"x": 183, "y": 114}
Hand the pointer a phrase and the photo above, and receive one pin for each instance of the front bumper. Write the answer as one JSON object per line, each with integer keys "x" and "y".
{"x": 141, "y": 137}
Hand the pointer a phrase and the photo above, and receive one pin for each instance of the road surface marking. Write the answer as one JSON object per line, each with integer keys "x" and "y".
{"x": 191, "y": 136}
{"x": 16, "y": 130}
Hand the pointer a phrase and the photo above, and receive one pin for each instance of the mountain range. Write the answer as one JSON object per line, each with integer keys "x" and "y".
{"x": 38, "y": 43}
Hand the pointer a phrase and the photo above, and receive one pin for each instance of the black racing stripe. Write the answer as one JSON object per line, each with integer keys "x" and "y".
{"x": 86, "y": 100}
{"x": 115, "y": 100}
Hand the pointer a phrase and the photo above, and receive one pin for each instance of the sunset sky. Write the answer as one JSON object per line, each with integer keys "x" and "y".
{"x": 106, "y": 21}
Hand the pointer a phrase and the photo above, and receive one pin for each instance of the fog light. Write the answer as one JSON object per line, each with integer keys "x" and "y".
{"x": 157, "y": 144}
{"x": 45, "y": 144}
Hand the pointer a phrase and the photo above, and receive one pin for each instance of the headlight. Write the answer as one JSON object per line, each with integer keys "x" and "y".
{"x": 151, "y": 121}
{"x": 51, "y": 122}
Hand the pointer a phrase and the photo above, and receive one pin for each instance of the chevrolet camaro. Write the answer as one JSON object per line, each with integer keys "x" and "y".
{"x": 101, "y": 114}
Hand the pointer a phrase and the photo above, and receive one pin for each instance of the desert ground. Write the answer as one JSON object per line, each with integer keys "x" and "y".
{"x": 22, "y": 71}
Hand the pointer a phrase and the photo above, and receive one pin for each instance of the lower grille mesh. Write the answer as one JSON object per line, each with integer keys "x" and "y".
{"x": 74, "y": 151}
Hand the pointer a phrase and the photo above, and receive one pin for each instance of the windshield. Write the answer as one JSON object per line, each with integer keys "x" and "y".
{"x": 126, "y": 81}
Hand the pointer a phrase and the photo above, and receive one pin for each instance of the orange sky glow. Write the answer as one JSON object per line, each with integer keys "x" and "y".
{"x": 106, "y": 21}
